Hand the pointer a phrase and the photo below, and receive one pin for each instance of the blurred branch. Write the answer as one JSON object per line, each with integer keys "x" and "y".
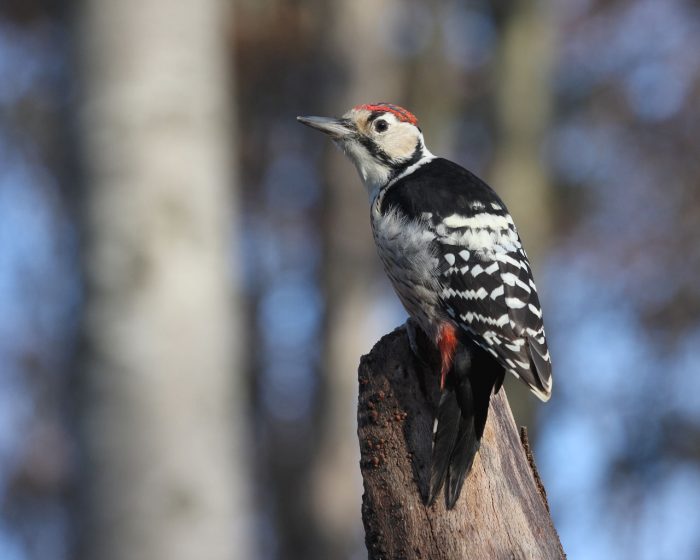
{"x": 501, "y": 514}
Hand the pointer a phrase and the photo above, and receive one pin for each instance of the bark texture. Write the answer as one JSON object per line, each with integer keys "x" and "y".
{"x": 502, "y": 512}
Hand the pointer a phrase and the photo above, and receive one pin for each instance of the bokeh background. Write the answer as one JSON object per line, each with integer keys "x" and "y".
{"x": 187, "y": 279}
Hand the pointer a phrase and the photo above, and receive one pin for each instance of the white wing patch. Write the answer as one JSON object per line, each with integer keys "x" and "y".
{"x": 483, "y": 220}
{"x": 514, "y": 303}
{"x": 512, "y": 280}
{"x": 534, "y": 310}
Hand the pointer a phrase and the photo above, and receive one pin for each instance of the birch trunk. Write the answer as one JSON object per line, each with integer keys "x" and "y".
{"x": 163, "y": 431}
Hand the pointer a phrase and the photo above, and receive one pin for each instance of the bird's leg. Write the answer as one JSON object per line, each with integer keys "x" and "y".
{"x": 425, "y": 352}
{"x": 414, "y": 331}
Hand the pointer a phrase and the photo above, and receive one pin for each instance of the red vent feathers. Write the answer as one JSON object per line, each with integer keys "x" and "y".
{"x": 447, "y": 343}
{"x": 399, "y": 112}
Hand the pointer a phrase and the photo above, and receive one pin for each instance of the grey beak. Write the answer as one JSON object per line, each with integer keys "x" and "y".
{"x": 335, "y": 128}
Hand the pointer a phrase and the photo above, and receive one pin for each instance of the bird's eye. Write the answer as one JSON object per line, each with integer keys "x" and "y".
{"x": 380, "y": 125}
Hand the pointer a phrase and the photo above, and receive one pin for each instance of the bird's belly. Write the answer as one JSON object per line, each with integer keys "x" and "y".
{"x": 406, "y": 251}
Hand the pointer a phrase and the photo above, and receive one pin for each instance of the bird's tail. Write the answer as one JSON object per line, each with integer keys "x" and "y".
{"x": 460, "y": 420}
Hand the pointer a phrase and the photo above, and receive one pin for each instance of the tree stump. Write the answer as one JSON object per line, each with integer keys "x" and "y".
{"x": 502, "y": 511}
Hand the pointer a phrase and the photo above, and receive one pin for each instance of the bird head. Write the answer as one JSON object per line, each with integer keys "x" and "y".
{"x": 382, "y": 140}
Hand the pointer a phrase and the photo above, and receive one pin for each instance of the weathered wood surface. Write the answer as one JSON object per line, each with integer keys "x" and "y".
{"x": 502, "y": 513}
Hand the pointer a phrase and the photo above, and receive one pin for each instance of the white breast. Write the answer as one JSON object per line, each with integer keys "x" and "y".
{"x": 406, "y": 250}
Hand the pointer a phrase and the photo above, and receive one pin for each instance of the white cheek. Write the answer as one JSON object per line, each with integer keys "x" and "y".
{"x": 372, "y": 173}
{"x": 400, "y": 144}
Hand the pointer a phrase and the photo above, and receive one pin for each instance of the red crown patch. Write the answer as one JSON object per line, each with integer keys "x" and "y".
{"x": 399, "y": 112}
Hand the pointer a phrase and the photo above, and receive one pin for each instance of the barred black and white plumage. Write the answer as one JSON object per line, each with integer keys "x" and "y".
{"x": 482, "y": 273}
{"x": 455, "y": 259}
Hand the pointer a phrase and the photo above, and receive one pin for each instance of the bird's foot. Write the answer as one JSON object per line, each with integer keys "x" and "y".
{"x": 418, "y": 342}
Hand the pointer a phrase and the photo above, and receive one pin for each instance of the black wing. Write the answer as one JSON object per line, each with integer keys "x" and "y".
{"x": 487, "y": 284}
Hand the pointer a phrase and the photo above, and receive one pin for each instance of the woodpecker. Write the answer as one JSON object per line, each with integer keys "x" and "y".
{"x": 456, "y": 262}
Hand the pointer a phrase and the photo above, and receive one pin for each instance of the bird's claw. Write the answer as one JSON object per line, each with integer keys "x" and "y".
{"x": 412, "y": 331}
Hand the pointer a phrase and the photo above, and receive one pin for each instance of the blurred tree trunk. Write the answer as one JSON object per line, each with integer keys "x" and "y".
{"x": 523, "y": 111}
{"x": 163, "y": 412}
{"x": 350, "y": 271}
{"x": 523, "y": 103}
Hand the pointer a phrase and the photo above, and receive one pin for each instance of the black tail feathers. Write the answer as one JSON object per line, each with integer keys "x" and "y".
{"x": 447, "y": 429}
{"x": 460, "y": 421}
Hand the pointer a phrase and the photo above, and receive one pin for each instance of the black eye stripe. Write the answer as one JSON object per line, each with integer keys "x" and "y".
{"x": 375, "y": 150}
{"x": 395, "y": 166}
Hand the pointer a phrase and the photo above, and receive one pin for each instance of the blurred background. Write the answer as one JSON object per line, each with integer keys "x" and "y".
{"x": 187, "y": 277}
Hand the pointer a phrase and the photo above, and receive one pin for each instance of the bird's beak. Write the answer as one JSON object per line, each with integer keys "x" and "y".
{"x": 335, "y": 128}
